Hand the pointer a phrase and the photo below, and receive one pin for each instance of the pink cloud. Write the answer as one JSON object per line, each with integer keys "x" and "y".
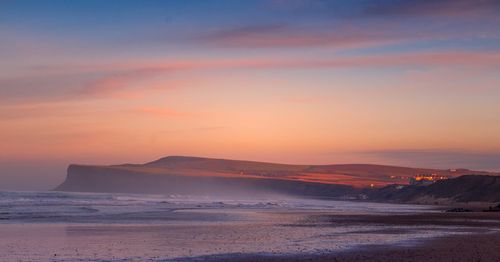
{"x": 117, "y": 81}
{"x": 124, "y": 80}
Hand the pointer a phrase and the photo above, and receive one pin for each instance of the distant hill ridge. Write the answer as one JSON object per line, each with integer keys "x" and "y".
{"x": 366, "y": 170}
{"x": 210, "y": 176}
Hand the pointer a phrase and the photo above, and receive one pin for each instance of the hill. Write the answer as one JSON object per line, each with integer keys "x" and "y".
{"x": 467, "y": 188}
{"x": 208, "y": 176}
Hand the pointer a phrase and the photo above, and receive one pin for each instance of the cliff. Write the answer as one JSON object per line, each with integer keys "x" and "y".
{"x": 207, "y": 176}
{"x": 171, "y": 181}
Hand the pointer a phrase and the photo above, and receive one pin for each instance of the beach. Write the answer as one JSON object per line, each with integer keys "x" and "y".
{"x": 475, "y": 247}
{"x": 108, "y": 227}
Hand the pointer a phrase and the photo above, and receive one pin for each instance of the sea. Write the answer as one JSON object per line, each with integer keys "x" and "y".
{"x": 66, "y": 226}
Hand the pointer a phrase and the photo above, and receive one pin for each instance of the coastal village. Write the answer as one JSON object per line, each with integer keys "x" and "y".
{"x": 426, "y": 179}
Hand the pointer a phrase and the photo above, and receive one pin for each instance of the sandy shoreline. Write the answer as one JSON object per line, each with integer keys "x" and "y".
{"x": 476, "y": 247}
{"x": 480, "y": 242}
{"x": 97, "y": 227}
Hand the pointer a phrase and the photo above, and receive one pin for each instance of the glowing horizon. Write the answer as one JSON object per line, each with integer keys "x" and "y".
{"x": 412, "y": 83}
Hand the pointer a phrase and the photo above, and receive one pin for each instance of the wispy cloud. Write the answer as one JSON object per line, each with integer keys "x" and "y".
{"x": 340, "y": 35}
{"x": 451, "y": 8}
{"x": 389, "y": 8}
{"x": 110, "y": 82}
{"x": 117, "y": 81}
{"x": 280, "y": 36}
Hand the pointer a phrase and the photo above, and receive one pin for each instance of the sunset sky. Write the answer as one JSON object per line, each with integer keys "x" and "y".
{"x": 414, "y": 83}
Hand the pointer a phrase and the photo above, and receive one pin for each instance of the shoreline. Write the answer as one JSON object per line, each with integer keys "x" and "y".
{"x": 97, "y": 228}
{"x": 466, "y": 247}
{"x": 473, "y": 236}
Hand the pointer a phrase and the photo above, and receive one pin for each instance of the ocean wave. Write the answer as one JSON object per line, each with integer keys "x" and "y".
{"x": 106, "y": 207}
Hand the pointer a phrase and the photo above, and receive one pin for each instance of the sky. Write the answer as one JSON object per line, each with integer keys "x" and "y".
{"x": 413, "y": 83}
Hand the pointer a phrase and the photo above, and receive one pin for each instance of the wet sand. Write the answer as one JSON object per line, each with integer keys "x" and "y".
{"x": 296, "y": 235}
{"x": 476, "y": 247}
{"x": 474, "y": 237}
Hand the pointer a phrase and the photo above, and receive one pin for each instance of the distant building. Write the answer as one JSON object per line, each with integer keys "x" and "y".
{"x": 426, "y": 179}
